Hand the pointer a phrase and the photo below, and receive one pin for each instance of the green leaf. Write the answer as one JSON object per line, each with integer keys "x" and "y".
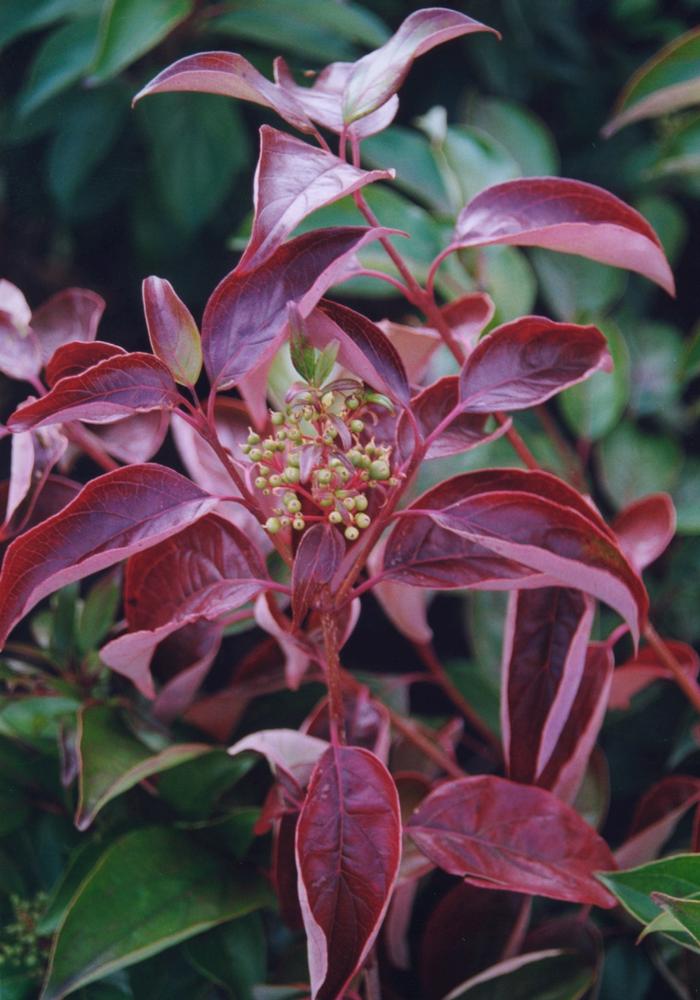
{"x": 575, "y": 289}
{"x": 638, "y": 890}
{"x": 82, "y": 860}
{"x": 473, "y": 160}
{"x": 98, "y": 612}
{"x": 36, "y": 719}
{"x": 61, "y": 60}
{"x": 543, "y": 975}
{"x": 193, "y": 789}
{"x": 669, "y": 222}
{"x": 685, "y": 913}
{"x": 592, "y": 408}
{"x": 233, "y": 955}
{"x": 151, "y": 889}
{"x": 480, "y": 690}
{"x": 520, "y": 132}
{"x": 130, "y": 28}
{"x": 18, "y": 17}
{"x": 686, "y": 497}
{"x": 691, "y": 355}
{"x": 197, "y": 144}
{"x": 509, "y": 279}
{"x": 655, "y": 361}
{"x": 634, "y": 463}
{"x": 411, "y": 155}
{"x": 112, "y": 760}
{"x": 14, "y": 808}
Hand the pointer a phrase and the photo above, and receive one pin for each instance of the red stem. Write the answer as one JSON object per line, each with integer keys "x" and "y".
{"x": 333, "y": 677}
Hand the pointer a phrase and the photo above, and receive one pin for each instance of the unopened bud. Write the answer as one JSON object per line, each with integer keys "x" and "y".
{"x": 272, "y": 525}
{"x": 379, "y": 469}
{"x": 352, "y": 534}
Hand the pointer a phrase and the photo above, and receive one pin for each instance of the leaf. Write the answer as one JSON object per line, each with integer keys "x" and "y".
{"x": 20, "y": 356}
{"x": 377, "y": 76}
{"x": 592, "y": 408}
{"x": 524, "y": 135}
{"x": 114, "y": 516}
{"x": 634, "y": 463}
{"x": 565, "y": 215}
{"x": 497, "y": 834}
{"x": 319, "y": 555}
{"x": 685, "y": 911}
{"x": 133, "y": 439}
{"x": 348, "y": 848}
{"x": 657, "y": 815}
{"x": 544, "y": 654}
{"x": 551, "y": 974}
{"x": 292, "y": 180}
{"x": 645, "y": 528}
{"x": 18, "y": 18}
{"x": 184, "y": 889}
{"x": 76, "y": 356}
{"x": 14, "y": 308}
{"x": 71, "y": 315}
{"x": 433, "y": 406}
{"x": 416, "y": 170}
{"x": 667, "y": 82}
{"x": 241, "y": 329}
{"x": 643, "y": 669}
{"x": 231, "y": 75}
{"x": 61, "y": 60}
{"x": 291, "y": 755}
{"x": 172, "y": 331}
{"x": 524, "y": 363}
{"x": 112, "y": 760}
{"x": 130, "y": 28}
{"x": 232, "y": 955}
{"x": 118, "y": 386}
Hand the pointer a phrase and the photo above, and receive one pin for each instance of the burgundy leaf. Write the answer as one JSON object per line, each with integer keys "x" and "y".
{"x": 133, "y": 439}
{"x": 363, "y": 348}
{"x": 292, "y": 756}
{"x": 172, "y": 331}
{"x": 658, "y": 813}
{"x": 348, "y": 848}
{"x": 377, "y": 76}
{"x": 292, "y": 180}
{"x": 34, "y": 455}
{"x": 468, "y": 315}
{"x": 566, "y": 215}
{"x": 366, "y": 722}
{"x": 297, "y": 652}
{"x": 645, "y": 528}
{"x": 77, "y": 355}
{"x": 523, "y": 363}
{"x": 643, "y": 669}
{"x": 246, "y": 314}
{"x": 432, "y": 407}
{"x": 544, "y": 653}
{"x": 20, "y": 356}
{"x": 115, "y": 387}
{"x": 189, "y": 654}
{"x": 497, "y": 834}
{"x": 72, "y": 314}
{"x": 319, "y": 554}
{"x": 113, "y": 517}
{"x": 405, "y": 607}
{"x": 231, "y": 75}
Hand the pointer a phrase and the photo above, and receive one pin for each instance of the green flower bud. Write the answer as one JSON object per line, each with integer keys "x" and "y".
{"x": 349, "y": 503}
{"x": 293, "y": 505}
{"x": 277, "y": 418}
{"x": 352, "y": 534}
{"x": 361, "y": 502}
{"x": 275, "y": 480}
{"x": 357, "y": 426}
{"x": 363, "y": 520}
{"x": 272, "y": 525}
{"x": 379, "y": 469}
{"x": 253, "y": 438}
{"x": 335, "y": 517}
{"x": 260, "y": 482}
{"x": 291, "y": 474}
{"x": 324, "y": 476}
{"x": 255, "y": 454}
{"x": 298, "y": 524}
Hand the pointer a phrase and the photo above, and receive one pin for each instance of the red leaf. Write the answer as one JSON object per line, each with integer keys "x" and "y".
{"x": 658, "y": 813}
{"x": 405, "y": 607}
{"x": 116, "y": 387}
{"x": 20, "y": 356}
{"x": 33, "y": 457}
{"x": 113, "y": 517}
{"x": 523, "y": 363}
{"x": 433, "y": 406}
{"x": 468, "y": 315}
{"x": 645, "y": 528}
{"x": 172, "y": 331}
{"x": 366, "y": 722}
{"x": 643, "y": 669}
{"x": 501, "y": 835}
{"x": 292, "y": 756}
{"x": 565, "y": 215}
{"x": 245, "y": 317}
{"x": 292, "y": 180}
{"x": 74, "y": 357}
{"x": 319, "y": 554}
{"x": 348, "y": 847}
{"x": 72, "y": 314}
{"x": 231, "y": 75}
{"x": 189, "y": 654}
{"x": 544, "y": 652}
{"x": 133, "y": 439}
{"x": 378, "y": 75}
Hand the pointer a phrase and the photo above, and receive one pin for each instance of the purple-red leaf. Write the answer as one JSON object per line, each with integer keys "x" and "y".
{"x": 231, "y": 75}
{"x": 76, "y": 356}
{"x": 14, "y": 308}
{"x": 292, "y": 180}
{"x": 523, "y": 363}
{"x": 291, "y": 755}
{"x": 245, "y": 317}
{"x": 645, "y": 528}
{"x": 72, "y": 314}
{"x": 172, "y": 331}
{"x": 20, "y": 356}
{"x": 544, "y": 653}
{"x": 348, "y": 848}
{"x": 658, "y": 813}
{"x": 566, "y": 215}
{"x": 433, "y": 406}
{"x": 643, "y": 669}
{"x": 405, "y": 607}
{"x": 497, "y": 834}
{"x": 116, "y": 387}
{"x": 133, "y": 439}
{"x": 378, "y": 75}
{"x": 319, "y": 554}
{"x": 113, "y": 517}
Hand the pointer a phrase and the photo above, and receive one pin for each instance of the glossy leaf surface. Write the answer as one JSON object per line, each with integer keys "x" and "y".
{"x": 645, "y": 528}
{"x": 172, "y": 331}
{"x": 71, "y": 315}
{"x": 74, "y": 357}
{"x": 317, "y": 558}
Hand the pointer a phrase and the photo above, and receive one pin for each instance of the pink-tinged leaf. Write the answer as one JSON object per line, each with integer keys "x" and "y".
{"x": 398, "y": 922}
{"x": 76, "y": 356}
{"x": 189, "y": 654}
{"x": 73, "y": 314}
{"x": 319, "y": 554}
{"x": 363, "y": 348}
{"x": 245, "y": 317}
{"x": 51, "y": 497}
{"x": 113, "y": 517}
{"x": 348, "y": 848}
{"x": 544, "y": 653}
{"x": 566, "y": 768}
{"x": 230, "y": 75}
{"x": 468, "y": 316}
{"x": 377, "y": 76}
{"x": 14, "y": 305}
{"x": 366, "y": 722}
{"x": 34, "y": 455}
{"x": 497, "y": 834}
{"x": 657, "y": 815}
{"x": 669, "y": 81}
{"x": 292, "y": 756}
{"x": 202, "y": 463}
{"x": 133, "y": 439}
{"x": 20, "y": 356}
{"x": 432, "y": 407}
{"x": 405, "y": 607}
{"x": 116, "y": 387}
{"x": 645, "y": 528}
{"x": 292, "y": 180}
{"x": 172, "y": 331}
{"x": 523, "y": 363}
{"x": 643, "y": 669}
{"x": 297, "y": 653}
{"x": 566, "y": 215}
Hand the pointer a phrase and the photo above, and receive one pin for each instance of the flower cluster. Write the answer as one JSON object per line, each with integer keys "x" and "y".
{"x": 320, "y": 459}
